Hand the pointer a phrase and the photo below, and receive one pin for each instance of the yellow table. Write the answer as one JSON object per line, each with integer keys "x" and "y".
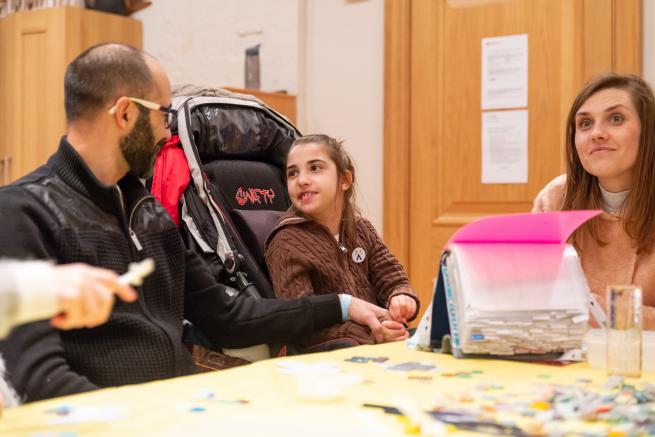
{"x": 275, "y": 407}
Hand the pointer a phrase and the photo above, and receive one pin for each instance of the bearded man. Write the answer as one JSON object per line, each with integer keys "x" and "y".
{"x": 88, "y": 205}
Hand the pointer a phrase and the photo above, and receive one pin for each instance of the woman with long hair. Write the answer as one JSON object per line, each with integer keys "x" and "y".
{"x": 610, "y": 157}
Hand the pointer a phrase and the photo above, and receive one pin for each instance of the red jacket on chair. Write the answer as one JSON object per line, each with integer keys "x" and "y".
{"x": 170, "y": 177}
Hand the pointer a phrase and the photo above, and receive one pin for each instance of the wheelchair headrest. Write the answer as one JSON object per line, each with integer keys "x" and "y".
{"x": 249, "y": 185}
{"x": 230, "y": 127}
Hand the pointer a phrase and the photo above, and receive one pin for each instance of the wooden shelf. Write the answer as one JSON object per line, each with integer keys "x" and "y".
{"x": 283, "y": 103}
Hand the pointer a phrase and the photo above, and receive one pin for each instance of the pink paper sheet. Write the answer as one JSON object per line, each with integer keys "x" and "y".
{"x": 531, "y": 228}
{"x": 519, "y": 247}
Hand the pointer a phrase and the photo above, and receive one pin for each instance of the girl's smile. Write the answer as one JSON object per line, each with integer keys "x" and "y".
{"x": 306, "y": 196}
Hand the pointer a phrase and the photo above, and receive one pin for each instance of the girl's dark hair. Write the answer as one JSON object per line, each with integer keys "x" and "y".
{"x": 582, "y": 189}
{"x": 345, "y": 165}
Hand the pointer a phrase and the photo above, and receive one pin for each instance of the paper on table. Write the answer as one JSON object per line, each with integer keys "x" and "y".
{"x": 531, "y": 228}
{"x": 515, "y": 314}
{"x": 526, "y": 248}
{"x": 517, "y": 272}
{"x": 516, "y": 286}
{"x": 65, "y": 415}
{"x": 512, "y": 263}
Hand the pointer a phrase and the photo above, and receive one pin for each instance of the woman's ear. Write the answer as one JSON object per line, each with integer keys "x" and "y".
{"x": 346, "y": 180}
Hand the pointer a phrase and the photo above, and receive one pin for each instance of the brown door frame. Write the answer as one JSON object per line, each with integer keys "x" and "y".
{"x": 397, "y": 118}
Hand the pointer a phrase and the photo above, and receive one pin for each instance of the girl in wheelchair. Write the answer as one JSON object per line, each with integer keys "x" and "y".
{"x": 323, "y": 245}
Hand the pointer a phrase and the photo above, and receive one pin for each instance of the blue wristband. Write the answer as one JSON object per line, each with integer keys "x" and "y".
{"x": 344, "y": 299}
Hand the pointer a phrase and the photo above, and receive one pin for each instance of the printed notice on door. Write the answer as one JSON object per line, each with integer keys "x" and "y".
{"x": 505, "y": 72}
{"x": 505, "y": 147}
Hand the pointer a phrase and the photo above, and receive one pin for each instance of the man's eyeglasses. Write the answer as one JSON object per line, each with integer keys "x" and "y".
{"x": 170, "y": 112}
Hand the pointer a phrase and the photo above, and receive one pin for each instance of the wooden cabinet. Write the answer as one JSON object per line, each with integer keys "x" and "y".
{"x": 283, "y": 103}
{"x": 35, "y": 48}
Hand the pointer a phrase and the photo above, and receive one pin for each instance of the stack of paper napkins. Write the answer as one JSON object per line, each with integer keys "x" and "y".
{"x": 513, "y": 286}
{"x": 504, "y": 306}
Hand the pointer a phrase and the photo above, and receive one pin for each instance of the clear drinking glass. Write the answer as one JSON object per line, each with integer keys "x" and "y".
{"x": 624, "y": 305}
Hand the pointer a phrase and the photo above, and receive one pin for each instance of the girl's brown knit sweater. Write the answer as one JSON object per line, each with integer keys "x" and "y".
{"x": 303, "y": 258}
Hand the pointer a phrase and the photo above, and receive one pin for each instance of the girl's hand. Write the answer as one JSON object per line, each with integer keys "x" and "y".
{"x": 402, "y": 308}
{"x": 394, "y": 331}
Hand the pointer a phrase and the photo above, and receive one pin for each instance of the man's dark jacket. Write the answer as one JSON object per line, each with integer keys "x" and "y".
{"x": 63, "y": 213}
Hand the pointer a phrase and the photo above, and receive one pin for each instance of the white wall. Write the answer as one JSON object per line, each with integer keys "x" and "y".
{"x": 203, "y": 42}
{"x": 341, "y": 85}
{"x": 328, "y": 52}
{"x": 649, "y": 41}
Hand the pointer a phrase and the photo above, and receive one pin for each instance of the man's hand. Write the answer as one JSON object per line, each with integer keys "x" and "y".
{"x": 368, "y": 314}
{"x": 394, "y": 331}
{"x": 85, "y": 295}
{"x": 402, "y": 308}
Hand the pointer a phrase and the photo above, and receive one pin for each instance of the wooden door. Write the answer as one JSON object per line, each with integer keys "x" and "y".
{"x": 6, "y": 96}
{"x": 433, "y": 107}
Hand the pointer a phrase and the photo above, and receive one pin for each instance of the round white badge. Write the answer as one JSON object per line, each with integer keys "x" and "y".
{"x": 358, "y": 255}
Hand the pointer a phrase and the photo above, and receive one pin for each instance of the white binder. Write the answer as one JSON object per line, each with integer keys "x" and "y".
{"x": 510, "y": 285}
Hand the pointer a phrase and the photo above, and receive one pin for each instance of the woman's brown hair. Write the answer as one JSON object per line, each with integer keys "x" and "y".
{"x": 344, "y": 165}
{"x": 582, "y": 189}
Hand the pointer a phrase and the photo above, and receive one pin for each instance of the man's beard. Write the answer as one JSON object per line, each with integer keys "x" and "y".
{"x": 139, "y": 148}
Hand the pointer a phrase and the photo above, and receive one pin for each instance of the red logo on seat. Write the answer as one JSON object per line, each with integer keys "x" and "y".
{"x": 255, "y": 195}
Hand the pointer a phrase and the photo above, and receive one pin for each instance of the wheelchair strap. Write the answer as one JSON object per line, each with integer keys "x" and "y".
{"x": 193, "y": 228}
{"x": 223, "y": 247}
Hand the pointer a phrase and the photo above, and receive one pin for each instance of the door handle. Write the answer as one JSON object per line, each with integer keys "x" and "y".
{"x": 2, "y": 171}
